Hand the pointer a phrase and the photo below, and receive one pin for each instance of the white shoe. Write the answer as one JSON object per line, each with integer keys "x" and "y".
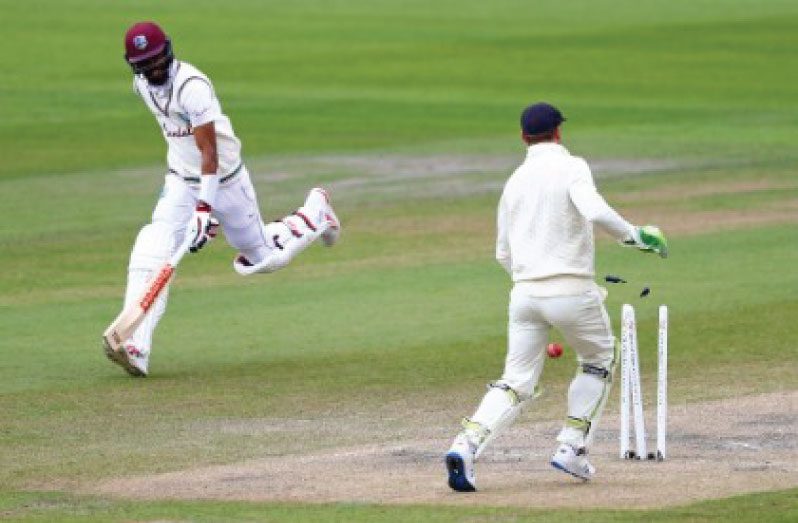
{"x": 573, "y": 461}
{"x": 333, "y": 224}
{"x": 130, "y": 358}
{"x": 460, "y": 465}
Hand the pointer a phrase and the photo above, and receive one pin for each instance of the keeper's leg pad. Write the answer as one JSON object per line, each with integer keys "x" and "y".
{"x": 499, "y": 408}
{"x": 153, "y": 246}
{"x": 587, "y": 396}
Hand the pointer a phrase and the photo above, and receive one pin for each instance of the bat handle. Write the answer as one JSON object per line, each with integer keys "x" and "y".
{"x": 179, "y": 253}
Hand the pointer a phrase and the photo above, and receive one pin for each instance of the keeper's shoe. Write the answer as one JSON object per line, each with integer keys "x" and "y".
{"x": 460, "y": 465}
{"x": 573, "y": 461}
{"x": 332, "y": 224}
{"x": 130, "y": 358}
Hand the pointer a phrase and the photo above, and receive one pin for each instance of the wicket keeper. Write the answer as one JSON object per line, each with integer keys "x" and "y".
{"x": 545, "y": 243}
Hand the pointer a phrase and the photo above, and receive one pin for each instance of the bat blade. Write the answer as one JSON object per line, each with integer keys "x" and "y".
{"x": 126, "y": 323}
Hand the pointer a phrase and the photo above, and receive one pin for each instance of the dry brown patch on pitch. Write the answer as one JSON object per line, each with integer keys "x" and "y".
{"x": 717, "y": 449}
{"x": 680, "y": 191}
{"x": 683, "y": 223}
{"x": 365, "y": 179}
{"x": 666, "y": 211}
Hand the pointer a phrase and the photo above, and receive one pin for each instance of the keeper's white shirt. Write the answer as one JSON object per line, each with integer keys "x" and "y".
{"x": 545, "y": 217}
{"x": 186, "y": 101}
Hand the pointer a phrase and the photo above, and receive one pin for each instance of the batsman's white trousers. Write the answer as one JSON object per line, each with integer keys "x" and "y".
{"x": 581, "y": 319}
{"x": 236, "y": 208}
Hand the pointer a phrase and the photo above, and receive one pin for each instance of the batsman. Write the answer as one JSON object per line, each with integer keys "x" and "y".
{"x": 545, "y": 243}
{"x": 206, "y": 185}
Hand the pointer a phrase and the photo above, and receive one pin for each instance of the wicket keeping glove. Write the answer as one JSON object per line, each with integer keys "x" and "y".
{"x": 202, "y": 227}
{"x": 649, "y": 238}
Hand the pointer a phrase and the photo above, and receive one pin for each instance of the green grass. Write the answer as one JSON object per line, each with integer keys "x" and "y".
{"x": 410, "y": 305}
{"x": 244, "y": 359}
{"x": 697, "y": 78}
{"x": 770, "y": 507}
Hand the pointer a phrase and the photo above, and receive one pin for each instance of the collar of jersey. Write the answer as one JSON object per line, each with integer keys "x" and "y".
{"x": 545, "y": 148}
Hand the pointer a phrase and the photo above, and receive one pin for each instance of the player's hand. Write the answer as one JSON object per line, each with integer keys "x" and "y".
{"x": 202, "y": 227}
{"x": 649, "y": 238}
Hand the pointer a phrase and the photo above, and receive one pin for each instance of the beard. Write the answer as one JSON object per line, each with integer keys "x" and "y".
{"x": 157, "y": 76}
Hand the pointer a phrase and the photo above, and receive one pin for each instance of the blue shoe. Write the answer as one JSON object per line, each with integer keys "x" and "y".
{"x": 460, "y": 465}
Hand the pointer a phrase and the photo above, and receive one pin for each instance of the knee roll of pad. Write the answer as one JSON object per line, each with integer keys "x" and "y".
{"x": 515, "y": 398}
{"x": 597, "y": 371}
{"x": 515, "y": 393}
{"x": 277, "y": 234}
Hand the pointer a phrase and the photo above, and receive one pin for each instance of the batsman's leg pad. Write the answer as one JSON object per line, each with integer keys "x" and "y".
{"x": 153, "y": 246}
{"x": 283, "y": 240}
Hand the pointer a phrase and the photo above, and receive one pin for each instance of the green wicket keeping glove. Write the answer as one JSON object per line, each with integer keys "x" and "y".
{"x": 649, "y": 238}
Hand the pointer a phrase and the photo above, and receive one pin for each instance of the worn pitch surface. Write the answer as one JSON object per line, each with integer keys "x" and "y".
{"x": 717, "y": 449}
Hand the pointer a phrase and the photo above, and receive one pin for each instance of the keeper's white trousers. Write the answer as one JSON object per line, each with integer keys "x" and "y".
{"x": 584, "y": 324}
{"x": 581, "y": 319}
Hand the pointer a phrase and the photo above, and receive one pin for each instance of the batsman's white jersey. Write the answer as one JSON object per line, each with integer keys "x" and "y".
{"x": 187, "y": 101}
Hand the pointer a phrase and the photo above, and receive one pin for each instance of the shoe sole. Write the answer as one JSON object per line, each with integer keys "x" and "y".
{"x": 330, "y": 236}
{"x": 457, "y": 478}
{"x": 563, "y": 469}
{"x": 121, "y": 359}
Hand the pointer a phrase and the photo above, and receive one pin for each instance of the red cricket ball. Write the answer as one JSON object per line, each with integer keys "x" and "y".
{"x": 554, "y": 350}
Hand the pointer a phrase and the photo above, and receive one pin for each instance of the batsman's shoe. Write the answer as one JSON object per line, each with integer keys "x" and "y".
{"x": 134, "y": 361}
{"x": 573, "y": 461}
{"x": 333, "y": 225}
{"x": 460, "y": 465}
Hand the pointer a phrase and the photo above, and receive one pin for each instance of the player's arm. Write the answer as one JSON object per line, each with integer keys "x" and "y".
{"x": 198, "y": 101}
{"x": 503, "y": 255}
{"x": 595, "y": 209}
{"x": 205, "y": 137}
{"x": 203, "y": 226}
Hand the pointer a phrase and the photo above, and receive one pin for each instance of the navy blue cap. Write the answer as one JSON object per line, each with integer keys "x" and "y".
{"x": 540, "y": 118}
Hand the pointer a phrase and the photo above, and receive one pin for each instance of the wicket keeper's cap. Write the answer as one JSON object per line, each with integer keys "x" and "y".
{"x": 143, "y": 41}
{"x": 540, "y": 118}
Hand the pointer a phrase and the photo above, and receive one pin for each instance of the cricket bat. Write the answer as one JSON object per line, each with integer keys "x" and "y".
{"x": 123, "y": 327}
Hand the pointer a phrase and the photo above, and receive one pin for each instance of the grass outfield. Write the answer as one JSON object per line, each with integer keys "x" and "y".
{"x": 773, "y": 507}
{"x": 659, "y": 79}
{"x": 410, "y": 309}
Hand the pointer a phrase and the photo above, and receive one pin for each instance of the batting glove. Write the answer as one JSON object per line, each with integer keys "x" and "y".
{"x": 202, "y": 227}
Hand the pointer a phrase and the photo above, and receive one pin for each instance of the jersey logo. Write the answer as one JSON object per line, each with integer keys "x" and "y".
{"x": 140, "y": 42}
{"x": 177, "y": 132}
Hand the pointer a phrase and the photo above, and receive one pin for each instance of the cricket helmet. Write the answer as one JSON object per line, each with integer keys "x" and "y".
{"x": 145, "y": 41}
